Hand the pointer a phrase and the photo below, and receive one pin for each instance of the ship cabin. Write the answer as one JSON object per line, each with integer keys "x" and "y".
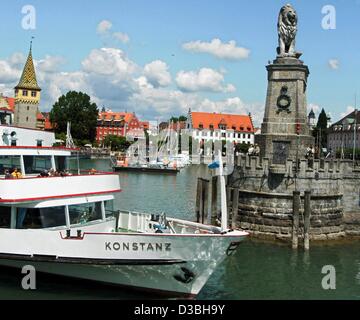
{"x": 39, "y": 190}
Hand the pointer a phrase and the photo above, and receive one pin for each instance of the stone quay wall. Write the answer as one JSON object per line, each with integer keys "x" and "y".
{"x": 265, "y": 205}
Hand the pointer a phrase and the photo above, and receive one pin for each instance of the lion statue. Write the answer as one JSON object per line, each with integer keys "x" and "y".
{"x": 287, "y": 29}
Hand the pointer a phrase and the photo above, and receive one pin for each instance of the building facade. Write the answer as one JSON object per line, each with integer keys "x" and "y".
{"x": 206, "y": 127}
{"x": 345, "y": 134}
{"x": 119, "y": 124}
{"x": 27, "y": 97}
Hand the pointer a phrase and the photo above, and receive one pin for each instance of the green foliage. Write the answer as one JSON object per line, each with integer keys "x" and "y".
{"x": 116, "y": 143}
{"x": 348, "y": 153}
{"x": 77, "y": 108}
{"x": 322, "y": 121}
{"x": 242, "y": 148}
{"x": 179, "y": 119}
{"x": 320, "y": 132}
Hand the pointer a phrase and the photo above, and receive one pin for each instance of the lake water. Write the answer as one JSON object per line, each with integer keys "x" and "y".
{"x": 257, "y": 271}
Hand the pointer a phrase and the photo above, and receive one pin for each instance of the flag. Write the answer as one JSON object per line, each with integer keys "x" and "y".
{"x": 214, "y": 165}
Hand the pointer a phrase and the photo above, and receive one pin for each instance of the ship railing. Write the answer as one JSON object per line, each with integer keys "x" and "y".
{"x": 131, "y": 221}
{"x": 67, "y": 173}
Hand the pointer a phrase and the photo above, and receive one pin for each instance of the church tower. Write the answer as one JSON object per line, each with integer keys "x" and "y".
{"x": 27, "y": 96}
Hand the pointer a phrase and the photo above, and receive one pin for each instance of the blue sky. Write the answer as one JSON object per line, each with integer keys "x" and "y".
{"x": 66, "y": 37}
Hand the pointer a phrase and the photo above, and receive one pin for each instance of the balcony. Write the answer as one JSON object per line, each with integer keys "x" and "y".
{"x": 31, "y": 189}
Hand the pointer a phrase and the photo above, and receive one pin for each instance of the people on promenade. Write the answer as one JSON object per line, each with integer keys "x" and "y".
{"x": 16, "y": 174}
{"x": 251, "y": 150}
{"x": 256, "y": 150}
{"x": 8, "y": 174}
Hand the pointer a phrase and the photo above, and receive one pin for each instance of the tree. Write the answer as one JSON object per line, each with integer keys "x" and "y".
{"x": 320, "y": 131}
{"x": 116, "y": 143}
{"x": 77, "y": 108}
{"x": 179, "y": 119}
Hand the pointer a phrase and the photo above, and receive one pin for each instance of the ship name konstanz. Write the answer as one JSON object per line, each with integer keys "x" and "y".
{"x": 137, "y": 246}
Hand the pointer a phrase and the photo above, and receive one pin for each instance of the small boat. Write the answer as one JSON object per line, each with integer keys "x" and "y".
{"x": 147, "y": 169}
{"x": 65, "y": 224}
{"x": 122, "y": 164}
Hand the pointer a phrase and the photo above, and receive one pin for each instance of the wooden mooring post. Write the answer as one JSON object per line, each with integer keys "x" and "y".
{"x": 214, "y": 194}
{"x": 235, "y": 208}
{"x": 307, "y": 215}
{"x": 296, "y": 212}
{"x": 202, "y": 197}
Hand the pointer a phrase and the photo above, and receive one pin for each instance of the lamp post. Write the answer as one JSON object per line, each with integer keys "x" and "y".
{"x": 354, "y": 148}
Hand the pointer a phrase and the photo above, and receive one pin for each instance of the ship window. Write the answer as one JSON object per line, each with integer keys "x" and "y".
{"x": 61, "y": 163}
{"x": 37, "y": 164}
{"x": 13, "y": 143}
{"x": 84, "y": 213}
{"x": 9, "y": 163}
{"x": 39, "y": 143}
{"x": 33, "y": 218}
{"x": 5, "y": 217}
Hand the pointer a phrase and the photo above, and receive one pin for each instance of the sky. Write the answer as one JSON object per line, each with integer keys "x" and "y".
{"x": 159, "y": 58}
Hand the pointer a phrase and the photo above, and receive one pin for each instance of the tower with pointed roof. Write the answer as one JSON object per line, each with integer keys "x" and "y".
{"x": 27, "y": 96}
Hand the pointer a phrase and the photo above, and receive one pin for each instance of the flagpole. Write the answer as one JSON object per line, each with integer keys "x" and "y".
{"x": 224, "y": 217}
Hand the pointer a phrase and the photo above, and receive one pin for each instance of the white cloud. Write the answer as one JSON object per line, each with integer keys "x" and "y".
{"x": 104, "y": 27}
{"x": 216, "y": 47}
{"x": 314, "y": 107}
{"x": 349, "y": 110}
{"x": 205, "y": 79}
{"x": 123, "y": 37}
{"x": 157, "y": 73}
{"x": 334, "y": 64}
{"x": 109, "y": 61}
{"x": 104, "y": 30}
{"x": 118, "y": 83}
{"x": 50, "y": 63}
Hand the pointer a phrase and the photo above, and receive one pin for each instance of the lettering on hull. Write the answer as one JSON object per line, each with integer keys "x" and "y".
{"x": 137, "y": 246}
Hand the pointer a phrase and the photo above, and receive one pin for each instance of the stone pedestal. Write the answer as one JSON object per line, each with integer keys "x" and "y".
{"x": 285, "y": 131}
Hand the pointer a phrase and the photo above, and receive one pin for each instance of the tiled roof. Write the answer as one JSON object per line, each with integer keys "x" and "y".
{"x": 11, "y": 102}
{"x": 116, "y": 116}
{"x": 239, "y": 122}
{"x": 28, "y": 77}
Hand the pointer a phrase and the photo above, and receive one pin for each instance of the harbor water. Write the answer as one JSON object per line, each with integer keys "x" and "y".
{"x": 258, "y": 270}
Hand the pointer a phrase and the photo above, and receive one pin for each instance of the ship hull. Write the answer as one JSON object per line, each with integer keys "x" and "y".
{"x": 164, "y": 264}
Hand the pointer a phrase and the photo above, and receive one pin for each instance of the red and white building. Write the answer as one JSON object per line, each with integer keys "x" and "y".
{"x": 119, "y": 124}
{"x": 221, "y": 127}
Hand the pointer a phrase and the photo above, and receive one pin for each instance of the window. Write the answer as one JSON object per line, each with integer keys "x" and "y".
{"x": 27, "y": 108}
{"x": 61, "y": 163}
{"x": 37, "y": 164}
{"x": 8, "y": 163}
{"x": 25, "y": 93}
{"x": 27, "y": 119}
{"x": 33, "y": 94}
{"x": 34, "y": 218}
{"x": 13, "y": 142}
{"x": 201, "y": 126}
{"x": 16, "y": 93}
{"x": 211, "y": 127}
{"x": 39, "y": 143}
{"x": 84, "y": 213}
{"x": 5, "y": 217}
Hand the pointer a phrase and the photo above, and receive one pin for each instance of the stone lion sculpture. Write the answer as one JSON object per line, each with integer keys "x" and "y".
{"x": 287, "y": 29}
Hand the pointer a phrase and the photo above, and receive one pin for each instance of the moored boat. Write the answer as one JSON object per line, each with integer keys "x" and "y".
{"x": 63, "y": 222}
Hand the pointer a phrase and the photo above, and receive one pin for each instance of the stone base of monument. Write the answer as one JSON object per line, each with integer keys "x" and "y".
{"x": 266, "y": 197}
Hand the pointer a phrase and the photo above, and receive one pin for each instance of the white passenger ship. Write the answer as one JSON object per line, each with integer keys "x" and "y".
{"x": 65, "y": 224}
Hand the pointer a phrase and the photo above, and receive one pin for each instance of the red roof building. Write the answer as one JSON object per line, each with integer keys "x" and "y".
{"x": 117, "y": 124}
{"x": 218, "y": 126}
